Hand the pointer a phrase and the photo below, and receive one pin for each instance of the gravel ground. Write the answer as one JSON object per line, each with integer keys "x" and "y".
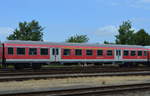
{"x": 69, "y": 82}
{"x": 134, "y": 93}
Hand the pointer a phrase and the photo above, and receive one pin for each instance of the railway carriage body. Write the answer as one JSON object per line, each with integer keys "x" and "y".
{"x": 1, "y": 53}
{"x": 35, "y": 52}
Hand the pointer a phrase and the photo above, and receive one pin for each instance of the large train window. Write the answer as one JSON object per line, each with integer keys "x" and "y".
{"x": 20, "y": 51}
{"x": 78, "y": 52}
{"x": 44, "y": 51}
{"x": 10, "y": 51}
{"x": 139, "y": 53}
{"x": 66, "y": 52}
{"x": 109, "y": 52}
{"x": 99, "y": 52}
{"x": 125, "y": 52}
{"x": 145, "y": 53}
{"x": 133, "y": 53}
{"x": 32, "y": 51}
{"x": 89, "y": 52}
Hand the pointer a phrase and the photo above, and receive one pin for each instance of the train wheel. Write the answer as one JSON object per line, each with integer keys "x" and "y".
{"x": 36, "y": 66}
{"x": 19, "y": 66}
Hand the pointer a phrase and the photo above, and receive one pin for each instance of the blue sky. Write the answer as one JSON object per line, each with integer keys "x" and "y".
{"x": 99, "y": 19}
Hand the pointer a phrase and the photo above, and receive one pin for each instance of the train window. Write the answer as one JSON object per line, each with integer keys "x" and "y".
{"x": 109, "y": 52}
{"x": 57, "y": 51}
{"x": 99, "y": 52}
{"x": 10, "y": 50}
{"x": 32, "y": 51}
{"x": 145, "y": 53}
{"x": 66, "y": 52}
{"x": 139, "y": 53}
{"x": 78, "y": 52}
{"x": 89, "y": 52}
{"x": 44, "y": 51}
{"x": 126, "y": 53}
{"x": 20, "y": 51}
{"x": 53, "y": 51}
{"x": 133, "y": 53}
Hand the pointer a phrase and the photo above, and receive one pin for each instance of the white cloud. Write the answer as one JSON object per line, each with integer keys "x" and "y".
{"x": 143, "y": 1}
{"x": 4, "y": 32}
{"x": 144, "y": 4}
{"x": 107, "y": 33}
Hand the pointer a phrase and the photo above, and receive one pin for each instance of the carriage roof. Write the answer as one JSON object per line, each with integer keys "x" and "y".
{"x": 73, "y": 44}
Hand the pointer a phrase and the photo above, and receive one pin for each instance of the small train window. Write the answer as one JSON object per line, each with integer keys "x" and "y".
{"x": 99, "y": 52}
{"x": 133, "y": 53}
{"x": 32, "y": 51}
{"x": 20, "y": 51}
{"x": 109, "y": 52}
{"x": 44, "y": 51}
{"x": 145, "y": 53}
{"x": 89, "y": 52}
{"x": 66, "y": 52}
{"x": 55, "y": 51}
{"x": 10, "y": 51}
{"x": 139, "y": 53}
{"x": 78, "y": 52}
{"x": 126, "y": 53}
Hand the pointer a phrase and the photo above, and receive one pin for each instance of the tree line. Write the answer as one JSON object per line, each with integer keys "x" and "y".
{"x": 126, "y": 34}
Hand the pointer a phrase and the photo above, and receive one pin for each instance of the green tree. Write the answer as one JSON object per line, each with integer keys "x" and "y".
{"x": 125, "y": 35}
{"x": 78, "y": 39}
{"x": 141, "y": 38}
{"x": 27, "y": 31}
{"x": 106, "y": 42}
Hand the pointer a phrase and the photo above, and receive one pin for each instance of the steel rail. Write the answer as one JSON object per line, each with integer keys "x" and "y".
{"x": 27, "y": 77}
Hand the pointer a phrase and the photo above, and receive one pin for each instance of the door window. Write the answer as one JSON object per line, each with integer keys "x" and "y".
{"x": 55, "y": 51}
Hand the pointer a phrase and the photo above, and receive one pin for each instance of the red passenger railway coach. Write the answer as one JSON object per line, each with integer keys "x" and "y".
{"x": 36, "y": 53}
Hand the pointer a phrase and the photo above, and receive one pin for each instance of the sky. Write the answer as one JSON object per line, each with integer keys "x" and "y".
{"x": 98, "y": 19}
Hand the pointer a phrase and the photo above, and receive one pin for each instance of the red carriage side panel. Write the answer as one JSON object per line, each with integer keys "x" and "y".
{"x": 136, "y": 56}
{"x": 84, "y": 56}
{"x": 25, "y": 57}
{"x": 1, "y": 52}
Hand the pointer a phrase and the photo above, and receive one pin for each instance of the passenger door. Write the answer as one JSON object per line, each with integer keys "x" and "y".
{"x": 118, "y": 55}
{"x": 55, "y": 54}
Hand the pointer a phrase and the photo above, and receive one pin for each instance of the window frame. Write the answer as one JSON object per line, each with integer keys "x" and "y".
{"x": 90, "y": 51}
{"x": 131, "y": 53}
{"x": 141, "y": 54}
{"x": 44, "y": 53}
{"x": 102, "y": 51}
{"x": 21, "y": 48}
{"x": 145, "y": 53}
{"x": 35, "y": 51}
{"x": 76, "y": 52}
{"x": 11, "y": 51}
{"x": 110, "y": 54}
{"x": 69, "y": 50}
{"x": 127, "y": 53}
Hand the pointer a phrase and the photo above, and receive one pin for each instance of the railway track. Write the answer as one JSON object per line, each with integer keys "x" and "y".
{"x": 80, "y": 90}
{"x": 69, "y": 70}
{"x": 54, "y": 76}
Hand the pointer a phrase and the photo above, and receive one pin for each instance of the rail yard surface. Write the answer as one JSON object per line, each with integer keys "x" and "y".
{"x": 48, "y": 81}
{"x": 67, "y": 83}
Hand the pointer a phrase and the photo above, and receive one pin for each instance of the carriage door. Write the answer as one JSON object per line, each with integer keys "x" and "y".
{"x": 55, "y": 54}
{"x": 118, "y": 55}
